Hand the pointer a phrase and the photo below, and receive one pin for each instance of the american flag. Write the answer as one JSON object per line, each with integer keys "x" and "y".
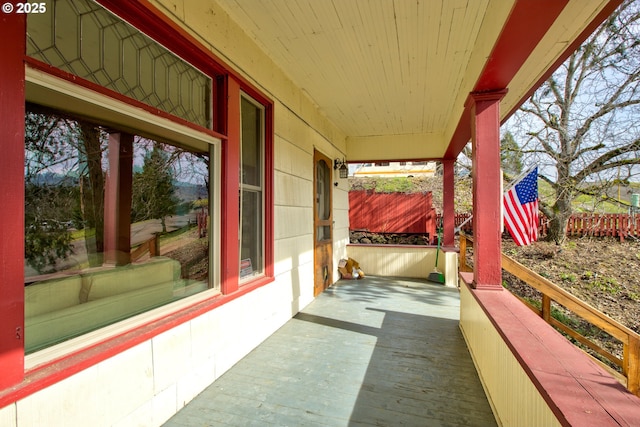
{"x": 521, "y": 209}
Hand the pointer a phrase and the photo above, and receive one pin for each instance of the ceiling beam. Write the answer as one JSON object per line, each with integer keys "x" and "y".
{"x": 528, "y": 23}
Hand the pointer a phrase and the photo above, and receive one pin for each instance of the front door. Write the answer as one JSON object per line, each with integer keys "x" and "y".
{"x": 323, "y": 223}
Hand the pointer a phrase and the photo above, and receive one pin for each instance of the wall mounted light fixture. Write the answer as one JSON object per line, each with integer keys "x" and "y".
{"x": 341, "y": 167}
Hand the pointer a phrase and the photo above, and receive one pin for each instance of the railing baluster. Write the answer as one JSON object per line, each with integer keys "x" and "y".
{"x": 463, "y": 253}
{"x": 546, "y": 308}
{"x": 632, "y": 365}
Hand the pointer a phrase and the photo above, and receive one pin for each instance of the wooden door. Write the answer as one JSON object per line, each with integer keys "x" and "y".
{"x": 323, "y": 223}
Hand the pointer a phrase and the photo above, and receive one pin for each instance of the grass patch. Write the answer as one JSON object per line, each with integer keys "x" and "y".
{"x": 607, "y": 285}
{"x": 395, "y": 185}
{"x": 566, "y": 318}
{"x": 568, "y": 277}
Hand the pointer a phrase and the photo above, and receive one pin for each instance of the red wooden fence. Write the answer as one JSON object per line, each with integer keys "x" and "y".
{"x": 391, "y": 212}
{"x": 413, "y": 213}
{"x": 580, "y": 224}
{"x": 614, "y": 225}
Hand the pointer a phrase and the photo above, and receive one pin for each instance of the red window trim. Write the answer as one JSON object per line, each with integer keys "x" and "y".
{"x": 12, "y": 108}
{"x": 231, "y": 188}
{"x": 43, "y": 376}
{"x": 14, "y": 382}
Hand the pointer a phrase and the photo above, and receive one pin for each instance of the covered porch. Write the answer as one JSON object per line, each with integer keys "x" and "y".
{"x": 369, "y": 81}
{"x": 393, "y": 351}
{"x": 379, "y": 351}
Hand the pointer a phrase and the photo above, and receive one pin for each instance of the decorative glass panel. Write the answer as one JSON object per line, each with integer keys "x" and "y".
{"x": 323, "y": 233}
{"x": 323, "y": 192}
{"x": 82, "y": 38}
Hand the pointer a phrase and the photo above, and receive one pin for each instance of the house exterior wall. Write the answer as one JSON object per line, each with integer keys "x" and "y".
{"x": 147, "y": 383}
{"x": 405, "y": 261}
{"x": 514, "y": 398}
{"x": 150, "y": 382}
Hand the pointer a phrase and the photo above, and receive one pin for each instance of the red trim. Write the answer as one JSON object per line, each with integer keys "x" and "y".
{"x": 231, "y": 189}
{"x": 599, "y": 19}
{"x": 230, "y": 192}
{"x": 487, "y": 198}
{"x": 448, "y": 203}
{"x": 577, "y": 390}
{"x": 528, "y": 23}
{"x": 34, "y": 63}
{"x": 46, "y": 375}
{"x": 161, "y": 28}
{"x": 12, "y": 31}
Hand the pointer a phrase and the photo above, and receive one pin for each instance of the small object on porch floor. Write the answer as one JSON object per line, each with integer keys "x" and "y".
{"x": 350, "y": 269}
{"x": 436, "y": 275}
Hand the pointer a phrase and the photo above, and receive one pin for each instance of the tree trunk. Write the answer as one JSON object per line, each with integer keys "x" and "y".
{"x": 562, "y": 211}
{"x": 93, "y": 192}
{"x": 558, "y": 228}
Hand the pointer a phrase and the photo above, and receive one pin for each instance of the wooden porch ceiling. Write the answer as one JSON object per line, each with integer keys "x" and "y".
{"x": 394, "y": 75}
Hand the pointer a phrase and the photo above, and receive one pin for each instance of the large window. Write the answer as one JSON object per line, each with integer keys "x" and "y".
{"x": 115, "y": 225}
{"x": 251, "y": 189}
{"x": 121, "y": 172}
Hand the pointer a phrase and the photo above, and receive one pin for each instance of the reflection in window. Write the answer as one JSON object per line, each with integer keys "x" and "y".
{"x": 157, "y": 219}
{"x": 251, "y": 189}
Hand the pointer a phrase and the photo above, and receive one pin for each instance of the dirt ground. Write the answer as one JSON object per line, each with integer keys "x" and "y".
{"x": 601, "y": 271}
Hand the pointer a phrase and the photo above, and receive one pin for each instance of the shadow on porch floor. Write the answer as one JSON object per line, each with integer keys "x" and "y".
{"x": 378, "y": 351}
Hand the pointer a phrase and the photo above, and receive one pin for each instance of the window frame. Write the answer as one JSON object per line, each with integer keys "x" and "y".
{"x": 18, "y": 382}
{"x": 45, "y": 86}
{"x": 251, "y": 188}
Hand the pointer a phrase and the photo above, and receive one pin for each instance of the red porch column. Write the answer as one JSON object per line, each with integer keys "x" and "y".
{"x": 12, "y": 32}
{"x": 117, "y": 200}
{"x": 487, "y": 197}
{"x": 448, "y": 207}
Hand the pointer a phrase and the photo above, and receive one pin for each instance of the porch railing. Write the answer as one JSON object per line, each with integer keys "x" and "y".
{"x": 630, "y": 362}
{"x": 151, "y": 246}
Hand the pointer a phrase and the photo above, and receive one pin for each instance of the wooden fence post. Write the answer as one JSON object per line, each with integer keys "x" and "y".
{"x": 546, "y": 308}
{"x": 631, "y": 366}
{"x": 463, "y": 252}
{"x": 154, "y": 246}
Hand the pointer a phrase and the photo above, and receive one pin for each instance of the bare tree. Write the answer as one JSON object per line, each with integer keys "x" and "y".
{"x": 63, "y": 183}
{"x": 510, "y": 156}
{"x": 581, "y": 126}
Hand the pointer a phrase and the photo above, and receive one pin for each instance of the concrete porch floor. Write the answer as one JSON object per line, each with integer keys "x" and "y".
{"x": 377, "y": 351}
